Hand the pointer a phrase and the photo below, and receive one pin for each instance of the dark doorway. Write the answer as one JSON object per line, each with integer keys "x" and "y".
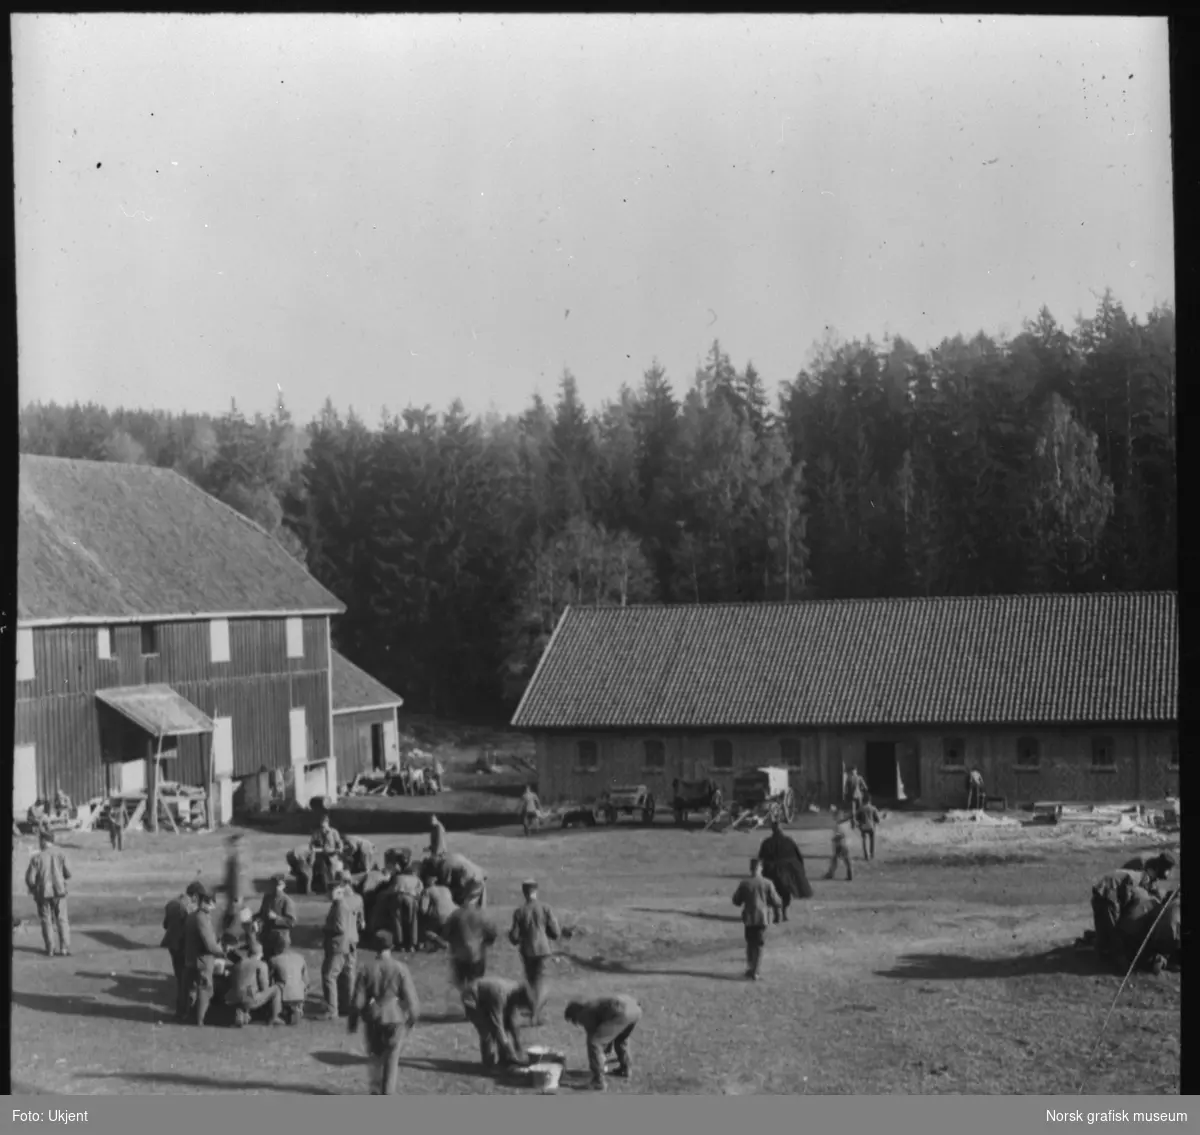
{"x": 378, "y": 761}
{"x": 881, "y": 769}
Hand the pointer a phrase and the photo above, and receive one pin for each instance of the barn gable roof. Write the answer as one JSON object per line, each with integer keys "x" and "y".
{"x": 989, "y": 660}
{"x": 101, "y": 540}
{"x": 354, "y": 688}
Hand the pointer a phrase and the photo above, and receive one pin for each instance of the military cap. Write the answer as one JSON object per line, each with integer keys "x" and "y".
{"x": 384, "y": 940}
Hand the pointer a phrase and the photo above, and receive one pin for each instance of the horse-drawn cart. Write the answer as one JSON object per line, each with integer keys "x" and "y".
{"x": 760, "y": 796}
{"x": 696, "y": 796}
{"x": 626, "y": 800}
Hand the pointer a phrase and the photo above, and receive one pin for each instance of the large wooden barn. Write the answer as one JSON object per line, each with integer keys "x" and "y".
{"x": 152, "y": 618}
{"x": 1052, "y": 697}
{"x": 366, "y": 725}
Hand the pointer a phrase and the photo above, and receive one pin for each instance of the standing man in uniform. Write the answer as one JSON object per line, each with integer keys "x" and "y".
{"x": 174, "y": 926}
{"x": 201, "y": 950}
{"x": 868, "y": 820}
{"x": 491, "y": 1005}
{"x": 354, "y": 901}
{"x": 385, "y": 999}
{"x": 46, "y": 880}
{"x": 534, "y": 927}
{"x": 758, "y": 899}
{"x": 289, "y": 971}
{"x": 530, "y": 808}
{"x": 341, "y": 946}
{"x": 608, "y": 1023}
{"x": 437, "y": 837}
{"x": 326, "y": 845}
{"x": 278, "y": 911}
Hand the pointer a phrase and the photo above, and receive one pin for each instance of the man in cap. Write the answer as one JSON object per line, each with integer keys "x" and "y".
{"x": 491, "y": 1005}
{"x": 530, "y": 809}
{"x": 385, "y": 1000}
{"x": 399, "y": 904}
{"x": 608, "y": 1023}
{"x": 758, "y": 899}
{"x": 174, "y": 926}
{"x": 437, "y": 837}
{"x": 289, "y": 972}
{"x": 341, "y": 948}
{"x": 468, "y": 934}
{"x": 784, "y": 866}
{"x": 434, "y": 911}
{"x": 534, "y": 927}
{"x": 868, "y": 820}
{"x": 46, "y": 880}
{"x": 251, "y": 990}
{"x": 201, "y": 950}
{"x": 326, "y": 844}
{"x": 1156, "y": 870}
{"x": 277, "y": 912}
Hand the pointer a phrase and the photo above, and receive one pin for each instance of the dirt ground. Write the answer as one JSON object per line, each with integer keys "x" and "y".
{"x": 945, "y": 967}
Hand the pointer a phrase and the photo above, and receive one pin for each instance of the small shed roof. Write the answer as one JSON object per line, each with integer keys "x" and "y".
{"x": 157, "y": 709}
{"x": 988, "y": 660}
{"x": 101, "y": 541}
{"x": 355, "y": 690}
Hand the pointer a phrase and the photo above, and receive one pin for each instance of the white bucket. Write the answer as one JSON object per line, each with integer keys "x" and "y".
{"x": 546, "y": 1076}
{"x": 540, "y": 1054}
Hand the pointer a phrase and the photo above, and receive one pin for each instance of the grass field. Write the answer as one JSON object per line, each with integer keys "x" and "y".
{"x": 945, "y": 967}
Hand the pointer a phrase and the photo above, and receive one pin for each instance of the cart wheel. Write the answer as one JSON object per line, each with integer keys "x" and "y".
{"x": 648, "y": 810}
{"x": 789, "y": 806}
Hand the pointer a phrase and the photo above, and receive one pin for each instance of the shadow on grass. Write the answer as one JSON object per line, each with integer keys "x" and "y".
{"x": 336, "y": 1059}
{"x": 708, "y": 916}
{"x": 210, "y": 1083}
{"x": 115, "y": 941}
{"x": 966, "y": 859}
{"x": 450, "y": 1067}
{"x": 142, "y": 987}
{"x": 603, "y": 965}
{"x": 962, "y": 967}
{"x": 86, "y": 1007}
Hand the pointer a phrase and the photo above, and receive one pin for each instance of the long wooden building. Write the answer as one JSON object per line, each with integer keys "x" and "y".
{"x": 154, "y": 619}
{"x": 1052, "y": 697}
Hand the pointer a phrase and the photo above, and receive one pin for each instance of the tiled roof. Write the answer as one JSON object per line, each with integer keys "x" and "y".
{"x": 354, "y": 688}
{"x": 96, "y": 539}
{"x": 998, "y": 660}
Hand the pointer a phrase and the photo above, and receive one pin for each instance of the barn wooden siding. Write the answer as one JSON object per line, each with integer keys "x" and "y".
{"x": 58, "y": 712}
{"x": 1145, "y": 762}
{"x": 352, "y": 740}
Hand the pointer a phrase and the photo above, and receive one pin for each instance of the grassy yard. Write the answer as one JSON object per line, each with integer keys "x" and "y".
{"x": 944, "y": 967}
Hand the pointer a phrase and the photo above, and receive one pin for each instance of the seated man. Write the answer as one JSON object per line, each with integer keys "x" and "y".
{"x": 288, "y": 972}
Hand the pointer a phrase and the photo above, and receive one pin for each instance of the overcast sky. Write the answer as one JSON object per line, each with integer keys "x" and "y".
{"x": 395, "y": 210}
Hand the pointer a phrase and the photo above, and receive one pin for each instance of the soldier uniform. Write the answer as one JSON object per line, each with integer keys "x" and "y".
{"x": 608, "y": 1023}
{"x": 534, "y": 926}
{"x": 841, "y": 854}
{"x": 491, "y": 1005}
{"x": 466, "y": 880}
{"x": 289, "y": 972}
{"x": 868, "y": 820}
{"x": 385, "y": 999}
{"x": 174, "y": 926}
{"x": 341, "y": 949}
{"x": 758, "y": 899}
{"x": 531, "y": 809}
{"x": 277, "y": 912}
{"x": 434, "y": 911}
{"x": 399, "y": 907}
{"x": 326, "y": 845}
{"x": 200, "y": 950}
{"x": 46, "y": 879}
{"x": 250, "y": 989}
{"x": 468, "y": 934}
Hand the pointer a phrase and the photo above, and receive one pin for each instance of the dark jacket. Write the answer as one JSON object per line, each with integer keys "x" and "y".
{"x": 755, "y": 896}
{"x": 384, "y": 994}
{"x": 284, "y": 909}
{"x": 289, "y": 971}
{"x": 174, "y": 923}
{"x": 468, "y": 933}
{"x": 534, "y": 927}
{"x": 200, "y": 943}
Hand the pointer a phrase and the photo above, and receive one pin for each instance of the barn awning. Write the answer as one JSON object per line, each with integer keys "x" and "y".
{"x": 157, "y": 709}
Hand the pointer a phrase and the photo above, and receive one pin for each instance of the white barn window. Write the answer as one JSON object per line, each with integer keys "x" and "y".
{"x": 104, "y": 643}
{"x": 25, "y": 668}
{"x": 295, "y": 638}
{"x": 218, "y": 633}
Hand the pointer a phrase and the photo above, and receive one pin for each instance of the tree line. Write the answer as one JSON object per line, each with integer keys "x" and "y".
{"x": 1045, "y": 462}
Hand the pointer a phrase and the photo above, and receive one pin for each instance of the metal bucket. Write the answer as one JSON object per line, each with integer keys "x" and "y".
{"x": 546, "y": 1077}
{"x": 540, "y": 1054}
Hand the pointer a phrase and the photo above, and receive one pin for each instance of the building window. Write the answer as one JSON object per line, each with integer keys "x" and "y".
{"x": 722, "y": 751}
{"x": 104, "y": 643}
{"x": 1028, "y": 753}
{"x": 589, "y": 756}
{"x": 954, "y": 752}
{"x": 789, "y": 752}
{"x": 1103, "y": 753}
{"x": 1174, "y": 751}
{"x": 295, "y": 638}
{"x": 218, "y": 634}
{"x": 25, "y": 668}
{"x": 655, "y": 756}
{"x": 149, "y": 639}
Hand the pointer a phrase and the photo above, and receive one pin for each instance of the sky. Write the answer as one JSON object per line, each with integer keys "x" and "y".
{"x": 396, "y": 210}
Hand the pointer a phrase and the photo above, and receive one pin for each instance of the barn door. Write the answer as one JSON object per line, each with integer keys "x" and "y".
{"x": 133, "y": 778}
{"x": 25, "y": 786}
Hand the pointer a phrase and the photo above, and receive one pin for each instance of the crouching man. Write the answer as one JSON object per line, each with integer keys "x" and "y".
{"x": 289, "y": 973}
{"x": 492, "y": 1005}
{"x": 250, "y": 989}
{"x": 608, "y": 1023}
{"x": 385, "y": 1000}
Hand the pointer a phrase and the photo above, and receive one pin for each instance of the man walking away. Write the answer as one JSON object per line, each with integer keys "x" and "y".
{"x": 250, "y": 989}
{"x": 841, "y": 853}
{"x": 868, "y": 821}
{"x": 174, "y": 925}
{"x": 491, "y": 1005}
{"x": 201, "y": 951}
{"x": 784, "y": 866}
{"x": 468, "y": 933}
{"x": 437, "y": 837}
{"x": 608, "y": 1023}
{"x": 531, "y": 809}
{"x": 341, "y": 946}
{"x": 288, "y": 971}
{"x": 758, "y": 899}
{"x": 534, "y": 927}
{"x": 385, "y": 1000}
{"x": 46, "y": 880}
